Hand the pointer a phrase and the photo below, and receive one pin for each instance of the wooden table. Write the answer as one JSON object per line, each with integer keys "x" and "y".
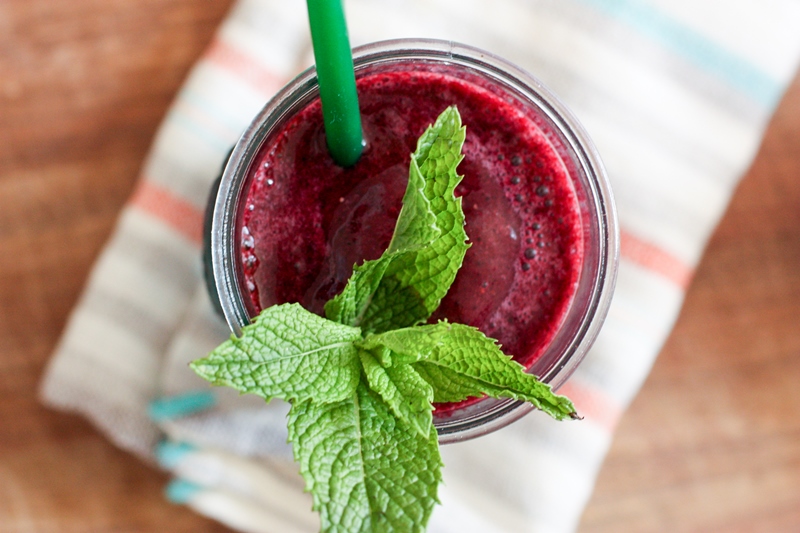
{"x": 711, "y": 444}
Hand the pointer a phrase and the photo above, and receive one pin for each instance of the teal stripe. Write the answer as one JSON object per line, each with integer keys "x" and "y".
{"x": 181, "y": 491}
{"x": 706, "y": 54}
{"x": 171, "y": 407}
{"x": 169, "y": 454}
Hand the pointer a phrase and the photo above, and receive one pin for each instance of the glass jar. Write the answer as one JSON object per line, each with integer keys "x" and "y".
{"x": 582, "y": 319}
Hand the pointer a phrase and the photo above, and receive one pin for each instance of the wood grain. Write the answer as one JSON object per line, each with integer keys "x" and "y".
{"x": 711, "y": 444}
{"x": 83, "y": 86}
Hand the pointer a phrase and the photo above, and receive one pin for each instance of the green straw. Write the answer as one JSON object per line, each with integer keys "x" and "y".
{"x": 337, "y": 80}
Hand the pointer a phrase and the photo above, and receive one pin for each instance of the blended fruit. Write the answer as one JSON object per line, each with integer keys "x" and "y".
{"x": 307, "y": 221}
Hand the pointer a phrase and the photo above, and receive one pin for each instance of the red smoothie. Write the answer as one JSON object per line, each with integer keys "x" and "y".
{"x": 307, "y": 221}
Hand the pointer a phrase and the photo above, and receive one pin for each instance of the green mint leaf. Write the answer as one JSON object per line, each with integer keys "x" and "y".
{"x": 288, "y": 353}
{"x": 407, "y": 345}
{"x": 402, "y": 389}
{"x": 468, "y": 363}
{"x": 366, "y": 471}
{"x": 415, "y": 282}
{"x": 461, "y": 362}
{"x": 427, "y": 247}
{"x": 448, "y": 387}
{"x": 348, "y": 306}
{"x": 416, "y": 224}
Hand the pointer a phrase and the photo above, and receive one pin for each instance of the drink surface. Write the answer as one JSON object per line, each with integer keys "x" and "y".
{"x": 307, "y": 221}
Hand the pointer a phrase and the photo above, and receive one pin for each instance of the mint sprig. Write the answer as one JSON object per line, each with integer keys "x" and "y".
{"x": 361, "y": 381}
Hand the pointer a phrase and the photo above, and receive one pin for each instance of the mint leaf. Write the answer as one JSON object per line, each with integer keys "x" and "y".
{"x": 402, "y": 389}
{"x": 288, "y": 353}
{"x": 408, "y": 345}
{"x": 348, "y": 306}
{"x": 366, "y": 471}
{"x": 468, "y": 363}
{"x": 416, "y": 224}
{"x": 326, "y": 443}
{"x": 428, "y": 244}
{"x": 448, "y": 388}
{"x": 425, "y": 276}
{"x": 461, "y": 362}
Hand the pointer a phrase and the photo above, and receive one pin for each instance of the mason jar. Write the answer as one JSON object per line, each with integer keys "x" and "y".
{"x": 521, "y": 187}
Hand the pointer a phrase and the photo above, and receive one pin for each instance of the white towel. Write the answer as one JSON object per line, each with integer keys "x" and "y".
{"x": 676, "y": 95}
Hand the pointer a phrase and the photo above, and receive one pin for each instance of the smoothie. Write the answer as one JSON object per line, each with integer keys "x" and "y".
{"x": 307, "y": 221}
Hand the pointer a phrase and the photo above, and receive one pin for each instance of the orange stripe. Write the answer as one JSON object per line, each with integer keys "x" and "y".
{"x": 593, "y": 404}
{"x": 654, "y": 259}
{"x": 244, "y": 66}
{"x": 175, "y": 212}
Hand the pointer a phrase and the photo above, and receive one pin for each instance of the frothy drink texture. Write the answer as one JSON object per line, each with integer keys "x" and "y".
{"x": 307, "y": 221}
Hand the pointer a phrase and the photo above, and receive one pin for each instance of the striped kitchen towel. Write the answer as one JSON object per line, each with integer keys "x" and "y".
{"x": 676, "y": 95}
